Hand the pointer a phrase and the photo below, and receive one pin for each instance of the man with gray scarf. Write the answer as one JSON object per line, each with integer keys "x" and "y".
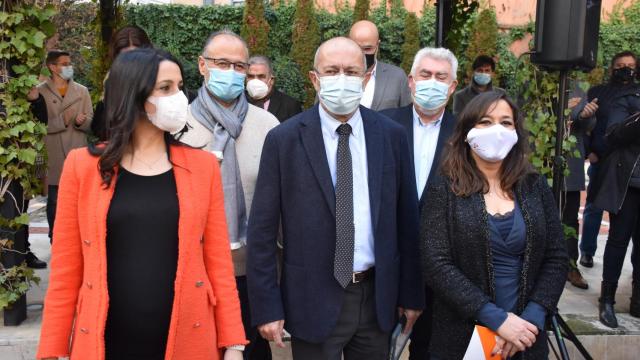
{"x": 223, "y": 122}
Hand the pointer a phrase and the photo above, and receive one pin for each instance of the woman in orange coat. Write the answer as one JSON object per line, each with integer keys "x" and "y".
{"x": 141, "y": 267}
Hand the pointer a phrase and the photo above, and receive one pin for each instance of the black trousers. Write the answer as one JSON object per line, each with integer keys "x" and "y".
{"x": 52, "y": 204}
{"x": 258, "y": 348}
{"x": 421, "y": 335}
{"x": 624, "y": 226}
{"x": 570, "y": 210}
{"x": 356, "y": 334}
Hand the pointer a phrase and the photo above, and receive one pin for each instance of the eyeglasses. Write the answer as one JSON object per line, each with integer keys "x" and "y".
{"x": 335, "y": 72}
{"x": 225, "y": 64}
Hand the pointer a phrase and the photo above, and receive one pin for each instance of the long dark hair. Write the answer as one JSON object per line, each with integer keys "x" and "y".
{"x": 130, "y": 35}
{"x": 460, "y": 167}
{"x": 132, "y": 79}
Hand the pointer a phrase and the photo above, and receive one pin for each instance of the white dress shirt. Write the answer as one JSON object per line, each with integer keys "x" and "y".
{"x": 425, "y": 141}
{"x": 367, "y": 95}
{"x": 363, "y": 257}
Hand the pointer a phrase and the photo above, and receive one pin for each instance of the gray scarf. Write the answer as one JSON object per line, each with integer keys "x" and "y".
{"x": 226, "y": 124}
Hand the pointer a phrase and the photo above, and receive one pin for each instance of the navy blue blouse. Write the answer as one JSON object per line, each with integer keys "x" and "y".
{"x": 508, "y": 242}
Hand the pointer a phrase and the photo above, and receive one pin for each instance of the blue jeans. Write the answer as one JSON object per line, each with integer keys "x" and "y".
{"x": 592, "y": 218}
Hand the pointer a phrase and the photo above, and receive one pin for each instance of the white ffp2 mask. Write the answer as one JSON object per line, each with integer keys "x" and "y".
{"x": 257, "y": 89}
{"x": 171, "y": 112}
{"x": 492, "y": 144}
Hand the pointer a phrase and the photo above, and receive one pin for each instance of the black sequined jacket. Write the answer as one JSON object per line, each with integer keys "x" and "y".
{"x": 456, "y": 260}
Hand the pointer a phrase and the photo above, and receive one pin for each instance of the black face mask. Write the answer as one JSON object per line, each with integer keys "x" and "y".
{"x": 371, "y": 60}
{"x": 624, "y": 75}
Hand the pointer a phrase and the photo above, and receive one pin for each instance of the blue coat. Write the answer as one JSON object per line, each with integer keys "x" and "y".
{"x": 294, "y": 190}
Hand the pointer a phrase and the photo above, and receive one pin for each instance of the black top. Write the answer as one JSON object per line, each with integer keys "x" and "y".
{"x": 142, "y": 257}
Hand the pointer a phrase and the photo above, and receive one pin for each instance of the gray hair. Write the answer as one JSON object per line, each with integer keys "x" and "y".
{"x": 261, "y": 60}
{"x": 227, "y": 32}
{"x": 436, "y": 54}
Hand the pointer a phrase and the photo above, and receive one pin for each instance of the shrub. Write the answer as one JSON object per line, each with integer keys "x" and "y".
{"x": 255, "y": 28}
{"x": 411, "y": 41}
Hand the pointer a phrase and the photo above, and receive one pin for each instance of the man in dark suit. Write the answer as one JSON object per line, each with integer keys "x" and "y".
{"x": 428, "y": 125}
{"x": 261, "y": 91}
{"x": 339, "y": 180}
{"x": 387, "y": 87}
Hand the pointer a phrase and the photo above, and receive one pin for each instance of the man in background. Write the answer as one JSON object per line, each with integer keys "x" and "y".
{"x": 262, "y": 92}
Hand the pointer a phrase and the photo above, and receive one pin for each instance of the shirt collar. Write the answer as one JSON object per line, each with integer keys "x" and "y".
{"x": 375, "y": 68}
{"x": 416, "y": 119}
{"x": 330, "y": 124}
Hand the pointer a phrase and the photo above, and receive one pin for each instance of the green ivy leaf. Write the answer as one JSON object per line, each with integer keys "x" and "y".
{"x": 23, "y": 219}
{"x": 27, "y": 155}
{"x": 38, "y": 39}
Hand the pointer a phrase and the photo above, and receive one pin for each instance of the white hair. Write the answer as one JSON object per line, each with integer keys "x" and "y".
{"x": 436, "y": 54}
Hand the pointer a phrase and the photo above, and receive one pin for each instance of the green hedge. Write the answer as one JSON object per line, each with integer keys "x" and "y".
{"x": 183, "y": 29}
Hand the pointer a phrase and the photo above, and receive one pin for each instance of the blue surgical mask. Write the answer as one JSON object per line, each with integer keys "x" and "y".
{"x": 225, "y": 84}
{"x": 482, "y": 79}
{"x": 431, "y": 94}
{"x": 67, "y": 72}
{"x": 340, "y": 94}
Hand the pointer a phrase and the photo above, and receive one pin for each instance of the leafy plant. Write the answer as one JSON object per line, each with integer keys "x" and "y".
{"x": 411, "y": 41}
{"x": 361, "y": 10}
{"x": 255, "y": 28}
{"x": 15, "y": 282}
{"x": 305, "y": 40}
{"x": 23, "y": 31}
{"x": 24, "y": 27}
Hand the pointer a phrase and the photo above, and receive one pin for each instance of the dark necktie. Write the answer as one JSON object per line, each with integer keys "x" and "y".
{"x": 345, "y": 229}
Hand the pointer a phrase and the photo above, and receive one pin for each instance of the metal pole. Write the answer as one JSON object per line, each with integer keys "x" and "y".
{"x": 562, "y": 347}
{"x": 439, "y": 23}
{"x": 558, "y": 160}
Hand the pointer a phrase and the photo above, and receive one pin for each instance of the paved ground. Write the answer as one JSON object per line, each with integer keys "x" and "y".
{"x": 578, "y": 307}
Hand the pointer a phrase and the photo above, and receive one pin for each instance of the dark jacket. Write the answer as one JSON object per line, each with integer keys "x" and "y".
{"x": 404, "y": 116}
{"x": 580, "y": 128}
{"x": 607, "y": 94}
{"x": 463, "y": 96}
{"x": 295, "y": 189}
{"x": 454, "y": 237}
{"x": 623, "y": 143}
{"x": 283, "y": 106}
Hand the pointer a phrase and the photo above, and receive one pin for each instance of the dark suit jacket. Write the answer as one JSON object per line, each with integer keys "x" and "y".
{"x": 283, "y": 106}
{"x": 391, "y": 88}
{"x": 404, "y": 116}
{"x": 294, "y": 188}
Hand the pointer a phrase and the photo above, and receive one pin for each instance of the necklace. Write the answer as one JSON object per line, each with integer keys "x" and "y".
{"x": 147, "y": 164}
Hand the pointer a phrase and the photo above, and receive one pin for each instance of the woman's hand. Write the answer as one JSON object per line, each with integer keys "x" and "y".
{"x": 500, "y": 343}
{"x": 231, "y": 354}
{"x": 517, "y": 331}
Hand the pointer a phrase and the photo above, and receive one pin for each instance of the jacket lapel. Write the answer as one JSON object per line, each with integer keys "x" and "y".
{"x": 53, "y": 89}
{"x": 274, "y": 102}
{"x": 375, "y": 159}
{"x": 313, "y": 143}
{"x": 378, "y": 91}
{"x": 186, "y": 201}
{"x": 446, "y": 128}
{"x": 406, "y": 119}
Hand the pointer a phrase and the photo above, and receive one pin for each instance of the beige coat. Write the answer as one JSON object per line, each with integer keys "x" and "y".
{"x": 255, "y": 127}
{"x": 61, "y": 138}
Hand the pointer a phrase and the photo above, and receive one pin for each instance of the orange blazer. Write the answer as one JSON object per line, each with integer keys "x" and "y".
{"x": 206, "y": 311}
